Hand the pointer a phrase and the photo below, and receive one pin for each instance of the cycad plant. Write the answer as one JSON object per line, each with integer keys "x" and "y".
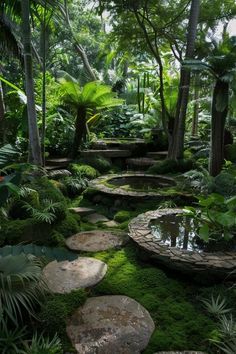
{"x": 21, "y": 286}
{"x": 85, "y": 101}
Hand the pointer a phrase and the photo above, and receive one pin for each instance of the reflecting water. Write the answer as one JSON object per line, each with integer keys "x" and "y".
{"x": 176, "y": 231}
{"x": 141, "y": 183}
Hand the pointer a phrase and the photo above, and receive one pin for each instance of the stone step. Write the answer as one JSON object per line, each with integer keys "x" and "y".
{"x": 109, "y": 153}
{"x": 157, "y": 154}
{"x": 60, "y": 162}
{"x": 52, "y": 168}
{"x": 82, "y": 211}
{"x": 142, "y": 163}
{"x": 95, "y": 218}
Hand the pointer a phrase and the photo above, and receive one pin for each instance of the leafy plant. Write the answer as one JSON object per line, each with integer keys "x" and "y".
{"x": 21, "y": 286}
{"x": 12, "y": 340}
{"x": 216, "y": 306}
{"x": 216, "y": 217}
{"x": 50, "y": 253}
{"x": 46, "y": 211}
{"x": 44, "y": 345}
{"x": 75, "y": 184}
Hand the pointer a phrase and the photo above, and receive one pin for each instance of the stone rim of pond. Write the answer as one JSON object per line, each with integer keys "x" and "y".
{"x": 217, "y": 264}
{"x": 103, "y": 184}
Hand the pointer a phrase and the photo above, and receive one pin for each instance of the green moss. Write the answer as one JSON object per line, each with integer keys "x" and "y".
{"x": 230, "y": 152}
{"x": 56, "y": 309}
{"x": 179, "y": 321}
{"x": 171, "y": 166}
{"x": 84, "y": 170}
{"x": 68, "y": 226}
{"x": 122, "y": 215}
{"x": 99, "y": 163}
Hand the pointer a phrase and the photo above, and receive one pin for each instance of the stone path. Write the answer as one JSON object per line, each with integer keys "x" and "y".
{"x": 63, "y": 277}
{"x": 82, "y": 211}
{"x": 110, "y": 324}
{"x": 97, "y": 240}
{"x": 95, "y": 217}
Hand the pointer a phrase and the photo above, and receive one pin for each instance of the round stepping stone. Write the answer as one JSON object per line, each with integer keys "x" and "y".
{"x": 97, "y": 240}
{"x": 63, "y": 277}
{"x": 94, "y": 218}
{"x": 110, "y": 324}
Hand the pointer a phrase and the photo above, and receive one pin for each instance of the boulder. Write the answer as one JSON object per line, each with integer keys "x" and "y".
{"x": 110, "y": 324}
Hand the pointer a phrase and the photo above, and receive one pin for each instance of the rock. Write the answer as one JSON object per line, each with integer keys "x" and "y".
{"x": 95, "y": 241}
{"x": 109, "y": 153}
{"x": 82, "y": 211}
{"x": 185, "y": 352}
{"x": 110, "y": 324}
{"x": 111, "y": 223}
{"x": 63, "y": 277}
{"x": 94, "y": 218}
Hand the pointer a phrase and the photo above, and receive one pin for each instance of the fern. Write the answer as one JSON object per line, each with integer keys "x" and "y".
{"x": 46, "y": 212}
{"x": 57, "y": 174}
{"x": 7, "y": 154}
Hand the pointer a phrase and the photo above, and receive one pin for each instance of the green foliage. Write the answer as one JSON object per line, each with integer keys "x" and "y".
{"x": 225, "y": 184}
{"x": 44, "y": 345}
{"x": 99, "y": 163}
{"x": 171, "y": 166}
{"x": 47, "y": 213}
{"x": 122, "y": 215}
{"x": 8, "y": 154}
{"x": 12, "y": 340}
{"x": 75, "y": 185}
{"x": 21, "y": 286}
{"x": 216, "y": 306}
{"x": 84, "y": 170}
{"x": 50, "y": 253}
{"x": 56, "y": 309}
{"x": 177, "y": 318}
{"x": 230, "y": 152}
{"x": 68, "y": 226}
{"x": 216, "y": 217}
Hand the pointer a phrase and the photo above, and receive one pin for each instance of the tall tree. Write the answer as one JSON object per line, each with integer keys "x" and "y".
{"x": 176, "y": 148}
{"x": 35, "y": 149}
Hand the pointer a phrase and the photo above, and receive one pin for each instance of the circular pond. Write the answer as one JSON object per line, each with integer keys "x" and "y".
{"x": 170, "y": 238}
{"x": 133, "y": 185}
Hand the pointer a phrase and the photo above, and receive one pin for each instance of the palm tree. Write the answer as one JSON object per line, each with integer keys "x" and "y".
{"x": 93, "y": 96}
{"x": 222, "y": 65}
{"x": 176, "y": 147}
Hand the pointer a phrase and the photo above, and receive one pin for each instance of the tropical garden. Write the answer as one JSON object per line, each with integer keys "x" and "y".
{"x": 117, "y": 176}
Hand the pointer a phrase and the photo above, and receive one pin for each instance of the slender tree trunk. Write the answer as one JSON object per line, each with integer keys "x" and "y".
{"x": 79, "y": 47}
{"x": 29, "y": 83}
{"x": 80, "y": 130}
{"x": 196, "y": 106}
{"x": 176, "y": 148}
{"x": 2, "y": 116}
{"x": 218, "y": 119}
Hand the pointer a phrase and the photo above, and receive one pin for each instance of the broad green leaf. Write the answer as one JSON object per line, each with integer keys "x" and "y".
{"x": 204, "y": 232}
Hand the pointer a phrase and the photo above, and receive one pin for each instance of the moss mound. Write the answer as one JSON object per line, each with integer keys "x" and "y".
{"x": 84, "y": 170}
{"x": 99, "y": 163}
{"x": 122, "y": 215}
{"x": 171, "y": 166}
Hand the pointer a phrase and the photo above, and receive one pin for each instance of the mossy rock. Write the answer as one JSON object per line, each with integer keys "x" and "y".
{"x": 122, "y": 215}
{"x": 225, "y": 184}
{"x": 99, "y": 163}
{"x": 84, "y": 170}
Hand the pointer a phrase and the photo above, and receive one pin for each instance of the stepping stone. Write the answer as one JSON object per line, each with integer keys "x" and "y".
{"x": 142, "y": 162}
{"x": 95, "y": 241}
{"x": 186, "y": 352}
{"x": 63, "y": 277}
{"x": 106, "y": 153}
{"x": 110, "y": 324}
{"x": 94, "y": 218}
{"x": 62, "y": 162}
{"x": 111, "y": 223}
{"x": 158, "y": 154}
{"x": 82, "y": 211}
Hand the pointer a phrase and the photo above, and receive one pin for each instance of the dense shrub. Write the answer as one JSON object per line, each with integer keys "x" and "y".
{"x": 84, "y": 170}
{"x": 98, "y": 162}
{"x": 171, "y": 166}
{"x": 225, "y": 184}
{"x": 68, "y": 226}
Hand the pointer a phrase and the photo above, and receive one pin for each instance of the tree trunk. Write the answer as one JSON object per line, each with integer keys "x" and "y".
{"x": 218, "y": 119}
{"x": 176, "y": 148}
{"x": 35, "y": 154}
{"x": 2, "y": 116}
{"x": 80, "y": 130}
{"x": 196, "y": 106}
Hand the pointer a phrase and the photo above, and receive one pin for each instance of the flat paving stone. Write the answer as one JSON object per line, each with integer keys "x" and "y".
{"x": 110, "y": 324}
{"x": 94, "y": 218}
{"x": 185, "y": 352}
{"x": 82, "y": 211}
{"x": 111, "y": 223}
{"x": 63, "y": 277}
{"x": 95, "y": 241}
